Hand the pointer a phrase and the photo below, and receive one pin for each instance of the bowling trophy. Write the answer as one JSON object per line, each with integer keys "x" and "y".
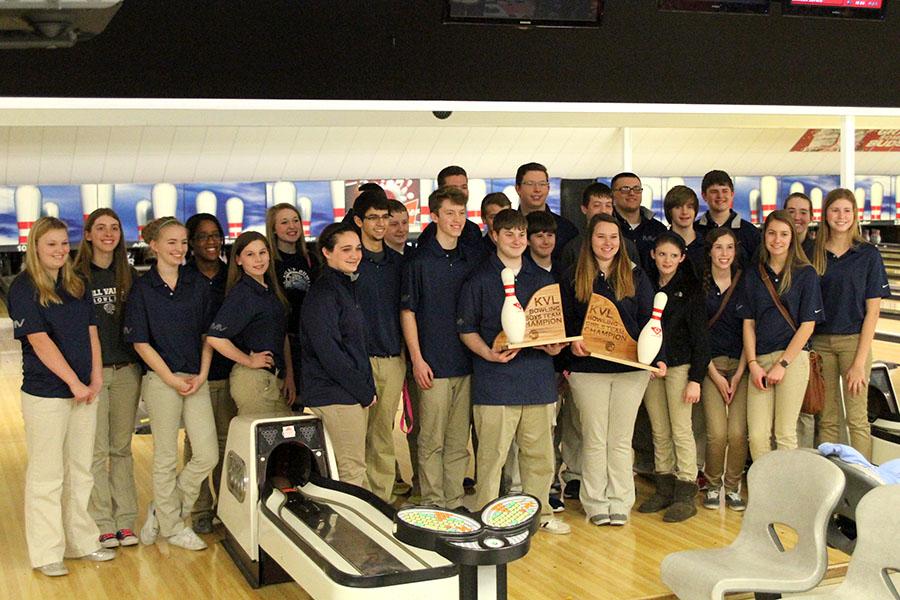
{"x": 540, "y": 323}
{"x": 606, "y": 338}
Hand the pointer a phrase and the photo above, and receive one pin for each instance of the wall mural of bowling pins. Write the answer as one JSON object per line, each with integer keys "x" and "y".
{"x": 242, "y": 206}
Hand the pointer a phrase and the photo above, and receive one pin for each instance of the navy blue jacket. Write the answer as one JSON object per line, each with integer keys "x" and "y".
{"x": 173, "y": 322}
{"x": 67, "y": 325}
{"x": 335, "y": 364}
{"x": 529, "y": 377}
{"x": 378, "y": 287}
{"x": 644, "y": 235}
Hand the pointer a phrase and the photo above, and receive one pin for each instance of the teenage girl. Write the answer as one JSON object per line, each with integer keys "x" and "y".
{"x": 295, "y": 267}
{"x": 775, "y": 348}
{"x": 62, "y": 375}
{"x": 725, "y": 386}
{"x": 166, "y": 318}
{"x": 337, "y": 375}
{"x": 250, "y": 329}
{"x": 204, "y": 257}
{"x": 102, "y": 262}
{"x": 607, "y": 394}
{"x": 853, "y": 282}
{"x": 670, "y": 400}
{"x": 800, "y": 207}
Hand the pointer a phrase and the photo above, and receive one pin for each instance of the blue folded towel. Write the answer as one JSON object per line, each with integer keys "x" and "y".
{"x": 889, "y": 472}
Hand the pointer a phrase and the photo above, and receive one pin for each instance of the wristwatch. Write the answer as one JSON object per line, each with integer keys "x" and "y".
{"x": 783, "y": 363}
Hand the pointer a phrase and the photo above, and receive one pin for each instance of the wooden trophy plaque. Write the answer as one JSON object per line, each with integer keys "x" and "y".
{"x": 606, "y": 338}
{"x": 544, "y": 322}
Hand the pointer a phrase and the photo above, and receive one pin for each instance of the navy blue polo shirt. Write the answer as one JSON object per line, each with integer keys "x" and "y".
{"x": 253, "y": 318}
{"x": 726, "y": 334}
{"x": 68, "y": 326}
{"x": 173, "y": 322}
{"x": 335, "y": 363}
{"x": 432, "y": 280}
{"x": 634, "y": 310}
{"x": 471, "y": 237}
{"x": 529, "y": 377}
{"x": 747, "y": 233}
{"x": 696, "y": 256}
{"x": 849, "y": 281}
{"x": 643, "y": 235}
{"x": 809, "y": 247}
{"x": 803, "y": 301}
{"x": 555, "y": 270}
{"x": 220, "y": 367}
{"x": 378, "y": 287}
{"x": 565, "y": 233}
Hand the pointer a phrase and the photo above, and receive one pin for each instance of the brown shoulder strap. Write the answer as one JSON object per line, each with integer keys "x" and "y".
{"x": 768, "y": 283}
{"x": 728, "y": 293}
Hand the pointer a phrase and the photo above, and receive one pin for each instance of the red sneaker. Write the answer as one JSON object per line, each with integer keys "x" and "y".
{"x": 126, "y": 537}
{"x": 109, "y": 540}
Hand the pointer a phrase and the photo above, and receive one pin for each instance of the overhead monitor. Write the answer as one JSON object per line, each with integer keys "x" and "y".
{"x": 853, "y": 9}
{"x": 525, "y": 13}
{"x": 759, "y": 7}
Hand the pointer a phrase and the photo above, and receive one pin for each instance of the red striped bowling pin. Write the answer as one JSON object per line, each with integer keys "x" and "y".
{"x": 512, "y": 316}
{"x": 28, "y": 209}
{"x": 651, "y": 338}
{"x": 234, "y": 213}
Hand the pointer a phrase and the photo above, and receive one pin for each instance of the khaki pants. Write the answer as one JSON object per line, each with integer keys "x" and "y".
{"x": 113, "y": 504}
{"x": 837, "y": 353}
{"x": 412, "y": 438}
{"x": 568, "y": 424}
{"x": 806, "y": 431}
{"x": 529, "y": 426}
{"x": 257, "y": 391}
{"x": 224, "y": 410}
{"x": 726, "y": 428}
{"x": 59, "y": 438}
{"x": 774, "y": 411}
{"x": 674, "y": 450}
{"x": 380, "y": 456}
{"x": 443, "y": 440}
{"x": 345, "y": 425}
{"x": 173, "y": 495}
{"x": 608, "y": 405}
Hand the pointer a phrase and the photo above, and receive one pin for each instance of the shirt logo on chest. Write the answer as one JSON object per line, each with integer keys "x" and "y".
{"x": 218, "y": 327}
{"x": 296, "y": 279}
{"x": 19, "y": 323}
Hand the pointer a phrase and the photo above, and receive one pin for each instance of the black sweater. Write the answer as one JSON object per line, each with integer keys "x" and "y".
{"x": 685, "y": 335}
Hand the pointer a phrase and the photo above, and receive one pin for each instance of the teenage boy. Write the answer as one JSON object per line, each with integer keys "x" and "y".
{"x": 513, "y": 391}
{"x": 541, "y": 231}
{"x": 533, "y": 187}
{"x": 490, "y": 206}
{"x": 441, "y": 365}
{"x": 596, "y": 199}
{"x": 378, "y": 287}
{"x": 396, "y": 236}
{"x": 717, "y": 190}
{"x": 681, "y": 207}
{"x": 638, "y": 222}
{"x": 455, "y": 177}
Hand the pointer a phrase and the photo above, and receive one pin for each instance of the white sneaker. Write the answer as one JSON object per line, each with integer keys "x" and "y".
{"x": 150, "y": 530}
{"x": 57, "y": 569}
{"x": 556, "y": 526}
{"x": 101, "y": 555}
{"x": 187, "y": 539}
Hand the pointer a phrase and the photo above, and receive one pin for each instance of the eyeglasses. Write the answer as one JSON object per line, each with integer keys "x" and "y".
{"x": 536, "y": 184}
{"x": 377, "y": 218}
{"x": 207, "y": 237}
{"x": 627, "y": 189}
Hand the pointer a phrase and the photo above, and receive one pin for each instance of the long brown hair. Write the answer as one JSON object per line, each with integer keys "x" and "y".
{"x": 45, "y": 286}
{"x": 120, "y": 256}
{"x": 300, "y": 245}
{"x": 824, "y": 233}
{"x": 621, "y": 279}
{"x": 235, "y": 271}
{"x": 796, "y": 258}
{"x": 711, "y": 238}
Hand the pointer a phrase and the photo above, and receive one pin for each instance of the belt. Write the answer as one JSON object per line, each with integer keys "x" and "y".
{"x": 117, "y": 366}
{"x": 385, "y": 355}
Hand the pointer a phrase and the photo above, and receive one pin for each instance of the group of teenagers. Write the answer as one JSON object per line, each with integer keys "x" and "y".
{"x": 370, "y": 318}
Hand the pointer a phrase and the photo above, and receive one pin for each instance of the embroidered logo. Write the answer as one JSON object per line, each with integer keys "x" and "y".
{"x": 17, "y": 324}
{"x": 218, "y": 327}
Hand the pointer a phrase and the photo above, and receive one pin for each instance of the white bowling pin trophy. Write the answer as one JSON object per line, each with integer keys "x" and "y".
{"x": 651, "y": 338}
{"x": 234, "y": 213}
{"x": 28, "y": 209}
{"x": 512, "y": 315}
{"x": 206, "y": 202}
{"x": 165, "y": 200}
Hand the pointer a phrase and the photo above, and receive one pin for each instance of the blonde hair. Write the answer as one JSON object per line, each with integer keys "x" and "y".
{"x": 45, "y": 286}
{"x": 270, "y": 231}
{"x": 824, "y": 233}
{"x": 120, "y": 256}
{"x": 796, "y": 258}
{"x": 621, "y": 279}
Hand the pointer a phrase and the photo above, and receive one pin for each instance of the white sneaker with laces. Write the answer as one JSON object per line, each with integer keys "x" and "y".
{"x": 556, "y": 526}
{"x": 187, "y": 539}
{"x": 712, "y": 498}
{"x": 734, "y": 501}
{"x": 57, "y": 569}
{"x": 101, "y": 555}
{"x": 150, "y": 530}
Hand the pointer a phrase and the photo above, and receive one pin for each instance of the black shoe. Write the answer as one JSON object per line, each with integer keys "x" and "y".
{"x": 468, "y": 484}
{"x": 684, "y": 507}
{"x": 203, "y": 525}
{"x": 573, "y": 489}
{"x": 556, "y": 504}
{"x": 662, "y": 498}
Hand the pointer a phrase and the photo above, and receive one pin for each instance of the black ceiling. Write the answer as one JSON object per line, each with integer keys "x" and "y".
{"x": 399, "y": 49}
